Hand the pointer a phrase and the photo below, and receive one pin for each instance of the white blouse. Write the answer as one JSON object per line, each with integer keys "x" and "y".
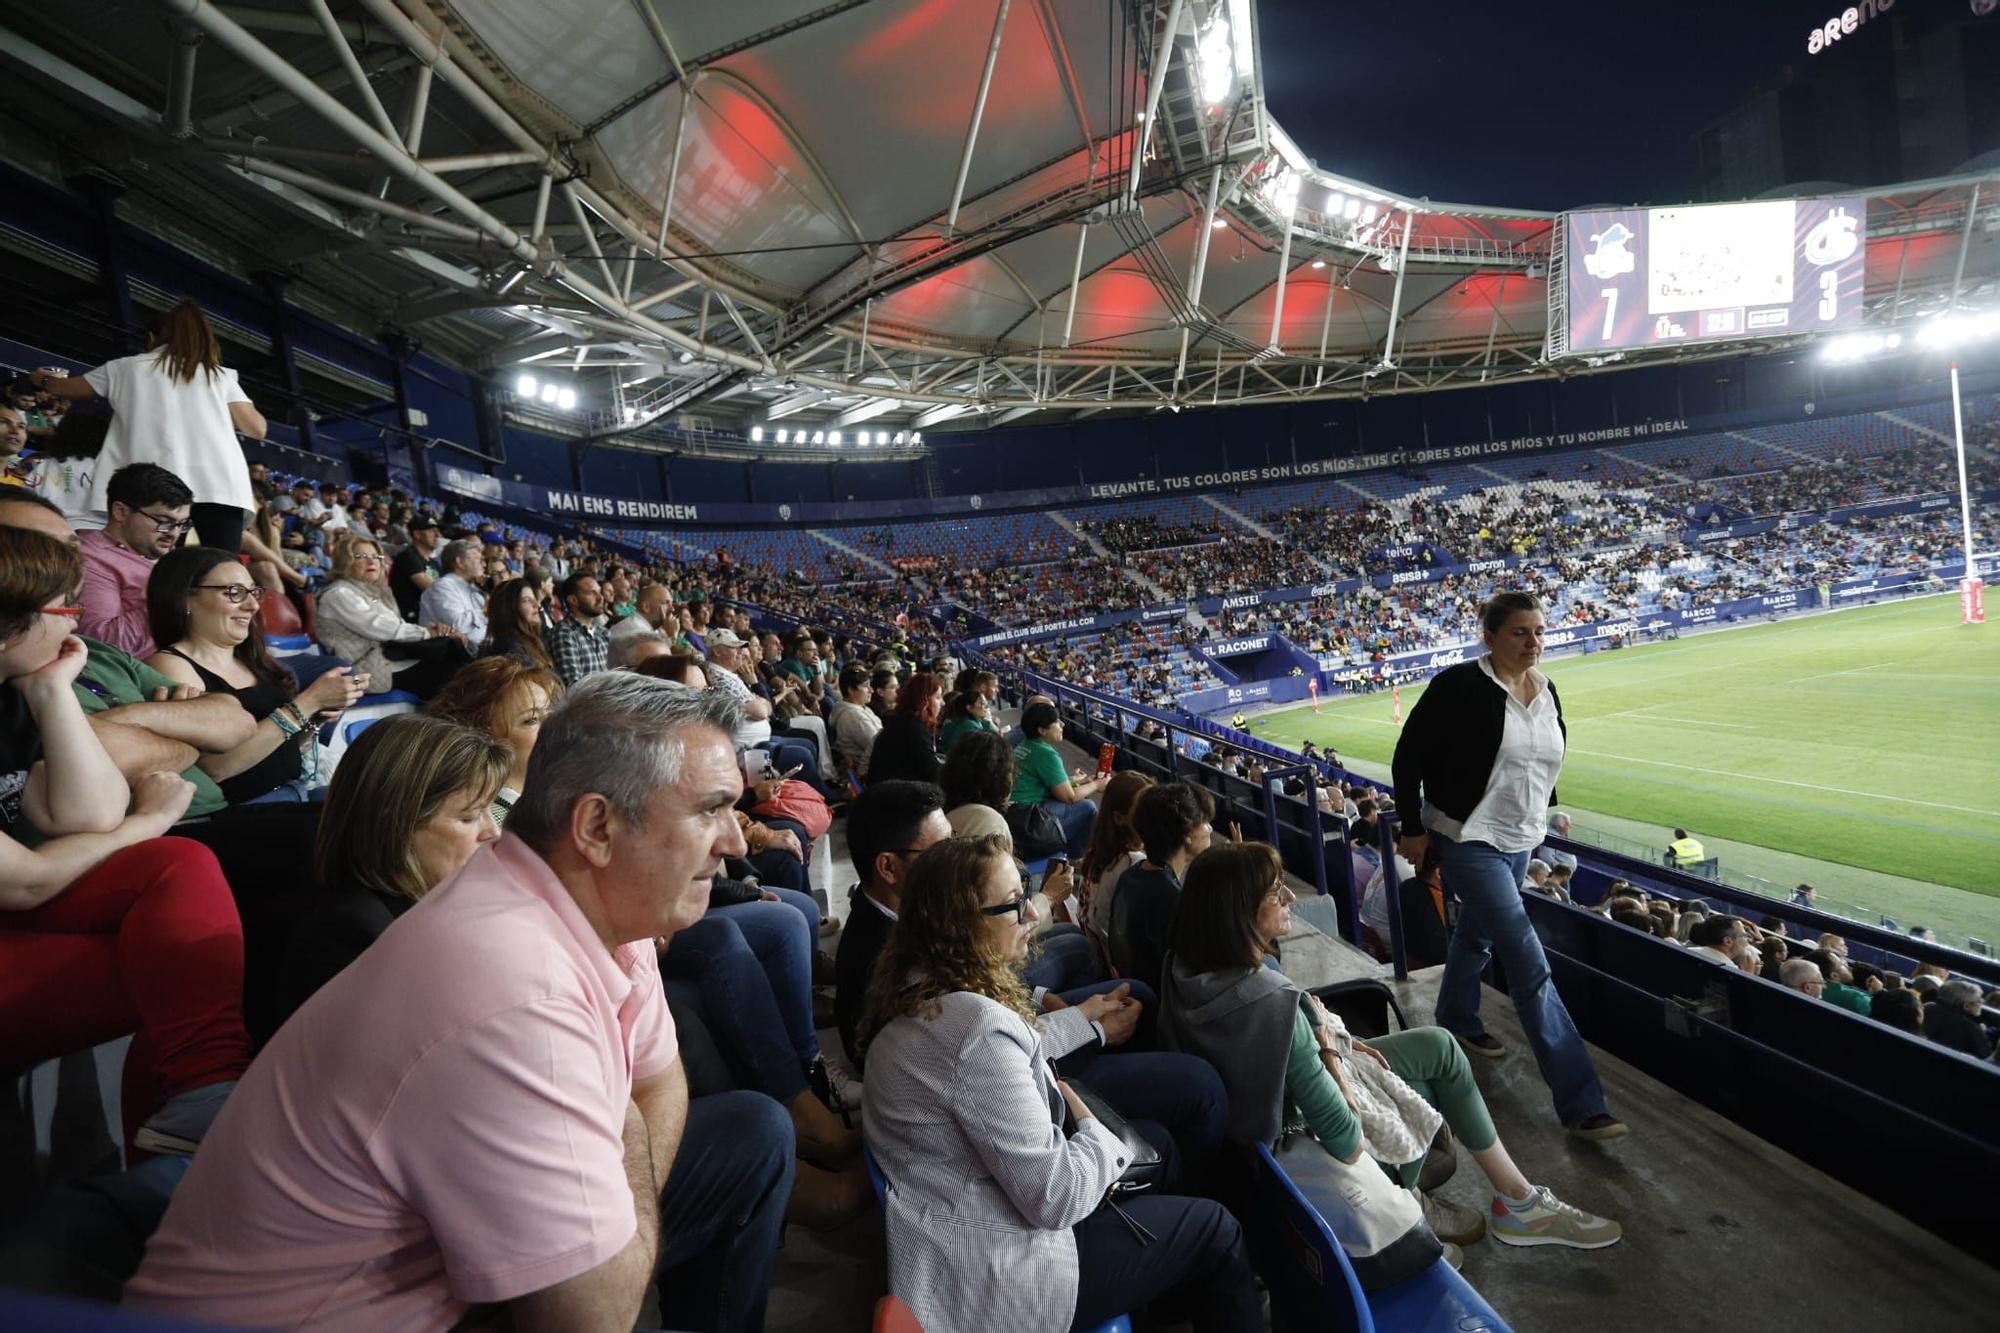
{"x": 183, "y": 425}
{"x": 1513, "y": 814}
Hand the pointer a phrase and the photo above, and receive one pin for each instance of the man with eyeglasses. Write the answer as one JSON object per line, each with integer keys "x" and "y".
{"x": 149, "y": 508}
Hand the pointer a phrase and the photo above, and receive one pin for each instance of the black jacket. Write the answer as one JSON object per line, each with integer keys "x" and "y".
{"x": 904, "y": 748}
{"x": 862, "y": 939}
{"x": 1948, "y": 1025}
{"x": 339, "y": 927}
{"x": 1448, "y": 745}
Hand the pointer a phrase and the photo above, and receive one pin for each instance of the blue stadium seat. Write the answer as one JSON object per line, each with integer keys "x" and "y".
{"x": 354, "y": 729}
{"x": 1122, "y": 1324}
{"x": 282, "y": 644}
{"x": 1313, "y": 1287}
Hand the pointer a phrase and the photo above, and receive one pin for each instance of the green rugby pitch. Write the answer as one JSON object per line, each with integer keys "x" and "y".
{"x": 1866, "y": 738}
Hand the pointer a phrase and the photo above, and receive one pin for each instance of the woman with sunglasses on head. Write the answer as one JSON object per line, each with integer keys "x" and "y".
{"x": 106, "y": 927}
{"x": 1286, "y": 1061}
{"x": 201, "y": 605}
{"x": 996, "y": 1214}
{"x": 357, "y": 619}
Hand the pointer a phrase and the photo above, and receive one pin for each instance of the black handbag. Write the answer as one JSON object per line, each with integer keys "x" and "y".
{"x": 1143, "y": 1165}
{"x": 1035, "y": 831}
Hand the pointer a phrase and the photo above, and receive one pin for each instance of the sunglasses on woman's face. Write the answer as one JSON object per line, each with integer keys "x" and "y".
{"x": 1018, "y": 907}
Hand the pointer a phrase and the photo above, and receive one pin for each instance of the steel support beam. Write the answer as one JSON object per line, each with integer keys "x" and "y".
{"x": 1964, "y": 244}
{"x": 1200, "y": 267}
{"x": 978, "y": 113}
{"x": 1396, "y": 297}
{"x": 180, "y": 81}
{"x": 1075, "y": 282}
{"x": 356, "y": 76}
{"x": 1162, "y": 57}
{"x": 361, "y": 199}
{"x": 1284, "y": 270}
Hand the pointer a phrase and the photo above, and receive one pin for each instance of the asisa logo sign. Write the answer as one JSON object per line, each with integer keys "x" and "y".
{"x": 1845, "y": 22}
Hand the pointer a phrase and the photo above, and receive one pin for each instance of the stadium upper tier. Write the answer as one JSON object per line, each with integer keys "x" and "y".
{"x": 835, "y": 214}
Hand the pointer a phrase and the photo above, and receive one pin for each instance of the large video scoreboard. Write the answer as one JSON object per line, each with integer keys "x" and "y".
{"x": 1657, "y": 277}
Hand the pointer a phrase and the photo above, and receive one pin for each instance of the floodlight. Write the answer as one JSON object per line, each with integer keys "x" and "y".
{"x": 1216, "y": 61}
{"x": 1368, "y": 214}
{"x": 549, "y": 392}
{"x": 783, "y": 435}
{"x": 833, "y": 438}
{"x": 819, "y": 437}
{"x": 901, "y": 436}
{"x": 881, "y": 437}
{"x": 756, "y": 434}
{"x": 1219, "y": 223}
{"x": 1319, "y": 263}
{"x": 566, "y": 400}
{"x": 916, "y": 437}
{"x": 1351, "y": 209}
{"x": 525, "y": 386}
{"x": 1334, "y": 199}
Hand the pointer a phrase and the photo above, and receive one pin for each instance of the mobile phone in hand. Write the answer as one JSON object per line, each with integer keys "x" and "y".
{"x": 793, "y": 771}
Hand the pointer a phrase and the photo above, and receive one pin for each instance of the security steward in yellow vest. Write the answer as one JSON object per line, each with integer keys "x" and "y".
{"x": 1239, "y": 721}
{"x": 1684, "y": 851}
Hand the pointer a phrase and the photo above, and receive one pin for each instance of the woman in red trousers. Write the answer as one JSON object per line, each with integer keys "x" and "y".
{"x": 106, "y": 928}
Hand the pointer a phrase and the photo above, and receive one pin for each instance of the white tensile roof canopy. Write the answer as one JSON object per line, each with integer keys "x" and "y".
{"x": 901, "y": 212}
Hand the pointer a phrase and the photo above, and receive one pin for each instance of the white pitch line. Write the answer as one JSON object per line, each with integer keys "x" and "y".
{"x": 1787, "y": 782}
{"x": 1691, "y": 721}
{"x": 1826, "y": 675}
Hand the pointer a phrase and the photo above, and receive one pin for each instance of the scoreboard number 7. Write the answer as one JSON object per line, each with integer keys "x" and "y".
{"x": 1610, "y": 295}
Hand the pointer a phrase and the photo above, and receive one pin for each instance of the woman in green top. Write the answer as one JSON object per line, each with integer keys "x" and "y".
{"x": 1040, "y": 778}
{"x": 1278, "y": 1053}
{"x": 967, "y": 711}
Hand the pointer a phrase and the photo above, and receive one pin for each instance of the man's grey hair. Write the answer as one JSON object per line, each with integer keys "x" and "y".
{"x": 623, "y": 650}
{"x": 1559, "y": 823}
{"x": 1796, "y": 972}
{"x": 619, "y": 734}
{"x": 1534, "y": 864}
{"x": 454, "y": 552}
{"x": 1958, "y": 993}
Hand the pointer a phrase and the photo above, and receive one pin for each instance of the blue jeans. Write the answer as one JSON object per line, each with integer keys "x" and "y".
{"x": 1487, "y": 882}
{"x": 778, "y": 869}
{"x": 753, "y": 963}
{"x": 1064, "y": 960}
{"x": 723, "y": 1212}
{"x": 793, "y": 752}
{"x": 1076, "y": 818}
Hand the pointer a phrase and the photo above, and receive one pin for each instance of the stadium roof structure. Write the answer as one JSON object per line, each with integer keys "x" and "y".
{"x": 906, "y": 212}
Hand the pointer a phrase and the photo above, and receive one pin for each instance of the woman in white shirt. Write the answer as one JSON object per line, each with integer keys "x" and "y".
{"x": 177, "y": 405}
{"x": 1479, "y": 757}
{"x": 357, "y": 619}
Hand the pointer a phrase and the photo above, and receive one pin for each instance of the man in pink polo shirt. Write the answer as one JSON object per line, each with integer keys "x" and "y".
{"x": 149, "y": 508}
{"x": 487, "y": 1108}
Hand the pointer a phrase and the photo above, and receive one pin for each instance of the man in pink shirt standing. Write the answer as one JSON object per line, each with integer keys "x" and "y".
{"x": 487, "y": 1108}
{"x": 149, "y": 508}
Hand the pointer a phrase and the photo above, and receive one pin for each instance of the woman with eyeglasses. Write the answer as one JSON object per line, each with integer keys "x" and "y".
{"x": 106, "y": 927}
{"x": 201, "y": 604}
{"x": 997, "y": 1214}
{"x": 357, "y": 619}
{"x": 1288, "y": 1064}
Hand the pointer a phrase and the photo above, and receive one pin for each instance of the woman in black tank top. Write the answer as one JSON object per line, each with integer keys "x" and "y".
{"x": 202, "y": 604}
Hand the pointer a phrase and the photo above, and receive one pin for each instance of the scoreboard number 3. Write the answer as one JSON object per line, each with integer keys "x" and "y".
{"x": 1829, "y": 295}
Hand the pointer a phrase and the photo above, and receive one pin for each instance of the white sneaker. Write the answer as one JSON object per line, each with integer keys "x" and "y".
{"x": 1550, "y": 1221}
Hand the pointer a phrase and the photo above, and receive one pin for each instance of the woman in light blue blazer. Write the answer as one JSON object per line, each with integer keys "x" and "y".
{"x": 996, "y": 1217}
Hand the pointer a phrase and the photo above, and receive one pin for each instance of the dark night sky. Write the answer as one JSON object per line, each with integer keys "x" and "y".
{"x": 1543, "y": 106}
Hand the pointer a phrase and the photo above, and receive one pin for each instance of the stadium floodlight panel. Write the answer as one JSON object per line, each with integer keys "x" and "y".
{"x": 784, "y": 435}
{"x": 819, "y": 437}
{"x": 1859, "y": 346}
{"x": 1215, "y": 57}
{"x": 833, "y": 437}
{"x": 1951, "y": 330}
{"x": 756, "y": 434}
{"x": 1368, "y": 214}
{"x": 566, "y": 399}
{"x": 550, "y": 393}
{"x": 1351, "y": 209}
{"x": 526, "y": 386}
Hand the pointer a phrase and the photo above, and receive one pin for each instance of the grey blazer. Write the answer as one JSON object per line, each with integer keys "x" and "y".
{"x": 965, "y": 1120}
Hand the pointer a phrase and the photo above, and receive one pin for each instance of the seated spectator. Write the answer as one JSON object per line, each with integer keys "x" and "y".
{"x": 455, "y": 600}
{"x": 509, "y": 702}
{"x": 1558, "y": 883}
{"x": 1172, "y": 822}
{"x": 480, "y": 1087}
{"x": 799, "y": 747}
{"x": 650, "y": 654}
{"x": 408, "y": 807}
{"x": 1840, "y": 987}
{"x": 203, "y": 609}
{"x": 1553, "y": 856}
{"x": 852, "y": 726}
{"x": 1801, "y": 975}
{"x": 1114, "y": 849}
{"x": 106, "y": 928}
{"x": 1375, "y": 906}
{"x": 1719, "y": 938}
{"x": 984, "y": 1185}
{"x": 1041, "y": 778}
{"x": 652, "y": 613}
{"x": 514, "y": 625}
{"x": 906, "y": 747}
{"x": 578, "y": 642}
{"x": 888, "y": 827}
{"x": 967, "y": 712}
{"x": 1773, "y": 954}
{"x": 1952, "y": 1019}
{"x": 417, "y": 566}
{"x": 1535, "y": 879}
{"x": 884, "y": 686}
{"x": 1900, "y": 1009}
{"x": 357, "y": 619}
{"x": 149, "y": 508}
{"x": 978, "y": 778}
{"x": 64, "y": 468}
{"x": 1284, "y": 1059}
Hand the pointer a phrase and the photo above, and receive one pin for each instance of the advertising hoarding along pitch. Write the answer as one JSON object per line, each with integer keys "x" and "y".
{"x": 1663, "y": 277}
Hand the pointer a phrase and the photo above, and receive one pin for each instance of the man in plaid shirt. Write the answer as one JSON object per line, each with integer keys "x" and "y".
{"x": 578, "y": 642}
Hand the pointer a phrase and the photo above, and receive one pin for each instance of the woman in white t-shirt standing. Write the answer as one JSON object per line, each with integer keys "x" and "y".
{"x": 177, "y": 405}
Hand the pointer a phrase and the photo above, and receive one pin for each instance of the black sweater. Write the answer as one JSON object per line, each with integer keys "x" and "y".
{"x": 1448, "y": 746}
